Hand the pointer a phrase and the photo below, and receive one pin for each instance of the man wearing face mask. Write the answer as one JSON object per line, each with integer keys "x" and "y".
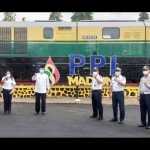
{"x": 144, "y": 97}
{"x": 96, "y": 95}
{"x": 117, "y": 94}
{"x": 41, "y": 86}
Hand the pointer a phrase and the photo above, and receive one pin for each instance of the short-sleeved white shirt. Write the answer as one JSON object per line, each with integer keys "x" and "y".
{"x": 9, "y": 83}
{"x": 95, "y": 84}
{"x": 115, "y": 85}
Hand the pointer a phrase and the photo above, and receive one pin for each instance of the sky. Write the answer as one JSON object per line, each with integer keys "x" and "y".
{"x": 67, "y": 15}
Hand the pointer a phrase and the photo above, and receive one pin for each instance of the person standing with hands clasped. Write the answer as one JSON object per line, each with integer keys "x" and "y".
{"x": 144, "y": 97}
{"x": 117, "y": 94}
{"x": 8, "y": 88}
{"x": 96, "y": 95}
{"x": 41, "y": 86}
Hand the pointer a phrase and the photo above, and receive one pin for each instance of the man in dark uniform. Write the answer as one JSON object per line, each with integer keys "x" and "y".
{"x": 144, "y": 97}
{"x": 117, "y": 94}
{"x": 96, "y": 95}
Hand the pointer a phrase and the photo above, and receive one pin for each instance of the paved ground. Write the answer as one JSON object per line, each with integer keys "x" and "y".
{"x": 107, "y": 101}
{"x": 68, "y": 120}
{"x": 66, "y": 117}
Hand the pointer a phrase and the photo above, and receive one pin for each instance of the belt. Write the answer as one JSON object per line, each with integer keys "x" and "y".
{"x": 96, "y": 90}
{"x": 117, "y": 91}
{"x": 145, "y": 92}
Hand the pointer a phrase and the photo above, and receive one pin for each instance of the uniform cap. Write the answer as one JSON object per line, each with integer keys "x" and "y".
{"x": 96, "y": 68}
{"x": 118, "y": 68}
{"x": 146, "y": 68}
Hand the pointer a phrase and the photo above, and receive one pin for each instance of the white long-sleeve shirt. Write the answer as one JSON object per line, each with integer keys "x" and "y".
{"x": 42, "y": 82}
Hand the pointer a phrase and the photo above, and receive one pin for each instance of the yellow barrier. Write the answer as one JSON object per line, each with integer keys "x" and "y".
{"x": 69, "y": 91}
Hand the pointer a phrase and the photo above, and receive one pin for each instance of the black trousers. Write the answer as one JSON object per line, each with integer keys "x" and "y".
{"x": 7, "y": 100}
{"x": 118, "y": 98}
{"x": 97, "y": 103}
{"x": 42, "y": 97}
{"x": 145, "y": 108}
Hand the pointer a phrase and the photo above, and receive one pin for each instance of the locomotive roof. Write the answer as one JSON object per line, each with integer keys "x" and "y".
{"x": 85, "y": 23}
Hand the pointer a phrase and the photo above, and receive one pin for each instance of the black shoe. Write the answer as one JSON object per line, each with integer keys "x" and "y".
{"x": 4, "y": 113}
{"x": 93, "y": 117}
{"x": 121, "y": 122}
{"x": 36, "y": 113}
{"x": 99, "y": 118}
{"x": 148, "y": 127}
{"x": 142, "y": 125}
{"x": 43, "y": 113}
{"x": 113, "y": 120}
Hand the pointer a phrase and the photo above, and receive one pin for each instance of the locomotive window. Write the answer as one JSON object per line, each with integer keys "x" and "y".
{"x": 48, "y": 33}
{"x": 111, "y": 33}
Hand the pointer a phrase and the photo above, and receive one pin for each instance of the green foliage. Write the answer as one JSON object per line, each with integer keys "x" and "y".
{"x": 24, "y": 19}
{"x": 55, "y": 16}
{"x": 9, "y": 16}
{"x": 78, "y": 16}
{"x": 143, "y": 16}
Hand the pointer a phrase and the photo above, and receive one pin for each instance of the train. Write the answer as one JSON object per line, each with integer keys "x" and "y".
{"x": 25, "y": 46}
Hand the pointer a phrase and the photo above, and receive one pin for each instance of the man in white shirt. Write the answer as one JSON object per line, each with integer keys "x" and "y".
{"x": 96, "y": 95}
{"x": 144, "y": 97}
{"x": 117, "y": 94}
{"x": 42, "y": 85}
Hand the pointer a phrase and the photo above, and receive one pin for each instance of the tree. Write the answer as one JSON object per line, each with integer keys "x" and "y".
{"x": 143, "y": 16}
{"x": 77, "y": 16}
{"x": 55, "y": 16}
{"x": 24, "y": 19}
{"x": 9, "y": 16}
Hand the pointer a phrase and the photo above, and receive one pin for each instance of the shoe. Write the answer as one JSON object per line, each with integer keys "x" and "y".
{"x": 93, "y": 117}
{"x": 99, "y": 118}
{"x": 148, "y": 127}
{"x": 4, "y": 113}
{"x": 43, "y": 113}
{"x": 121, "y": 122}
{"x": 36, "y": 113}
{"x": 142, "y": 125}
{"x": 9, "y": 112}
{"x": 113, "y": 120}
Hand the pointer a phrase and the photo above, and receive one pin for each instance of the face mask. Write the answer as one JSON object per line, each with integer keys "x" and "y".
{"x": 95, "y": 73}
{"x": 8, "y": 75}
{"x": 41, "y": 71}
{"x": 145, "y": 72}
{"x": 117, "y": 73}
